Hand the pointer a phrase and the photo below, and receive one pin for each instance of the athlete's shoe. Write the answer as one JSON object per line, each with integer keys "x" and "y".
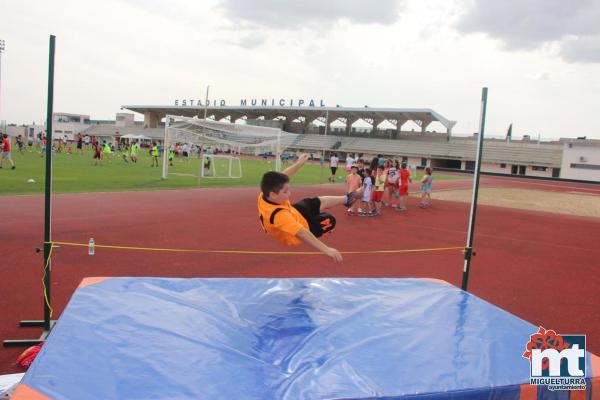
{"x": 352, "y": 197}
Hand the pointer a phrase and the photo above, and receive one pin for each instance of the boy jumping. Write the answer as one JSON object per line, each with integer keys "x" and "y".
{"x": 303, "y": 221}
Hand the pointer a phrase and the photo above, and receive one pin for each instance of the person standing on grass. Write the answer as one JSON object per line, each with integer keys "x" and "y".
{"x": 38, "y": 142}
{"x": 6, "y": 152}
{"x": 43, "y": 141}
{"x": 154, "y": 154}
{"x": 97, "y": 154}
{"x": 171, "y": 155}
{"x": 349, "y": 163}
{"x": 106, "y": 150}
{"x": 333, "y": 165}
{"x": 405, "y": 179}
{"x": 124, "y": 151}
{"x": 20, "y": 143}
{"x": 185, "y": 152}
{"x": 79, "y": 144}
{"x": 304, "y": 221}
{"x": 134, "y": 152}
{"x": 426, "y": 184}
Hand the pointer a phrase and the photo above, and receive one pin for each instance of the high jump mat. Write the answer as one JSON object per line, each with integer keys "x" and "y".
{"x": 321, "y": 338}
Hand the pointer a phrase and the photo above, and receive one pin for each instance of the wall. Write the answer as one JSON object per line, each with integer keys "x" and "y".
{"x": 124, "y": 119}
{"x": 547, "y": 173}
{"x": 572, "y": 155}
{"x": 495, "y": 168}
{"x": 15, "y": 131}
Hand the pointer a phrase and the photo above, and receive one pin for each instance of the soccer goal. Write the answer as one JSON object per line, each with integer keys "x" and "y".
{"x": 231, "y": 138}
{"x": 218, "y": 166}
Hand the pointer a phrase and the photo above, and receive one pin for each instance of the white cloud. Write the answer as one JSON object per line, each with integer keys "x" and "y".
{"x": 531, "y": 24}
{"x": 404, "y": 53}
{"x": 293, "y": 14}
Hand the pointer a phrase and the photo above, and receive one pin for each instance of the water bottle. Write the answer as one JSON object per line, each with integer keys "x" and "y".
{"x": 91, "y": 247}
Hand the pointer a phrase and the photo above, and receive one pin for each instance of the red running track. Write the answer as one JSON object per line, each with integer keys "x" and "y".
{"x": 542, "y": 267}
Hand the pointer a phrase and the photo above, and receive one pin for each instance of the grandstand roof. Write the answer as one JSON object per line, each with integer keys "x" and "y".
{"x": 421, "y": 116}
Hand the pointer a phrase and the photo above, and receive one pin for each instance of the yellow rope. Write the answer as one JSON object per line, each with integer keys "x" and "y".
{"x": 44, "y": 284}
{"x": 228, "y": 252}
{"x": 260, "y": 252}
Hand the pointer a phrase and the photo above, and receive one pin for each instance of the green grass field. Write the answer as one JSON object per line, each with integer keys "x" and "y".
{"x": 75, "y": 173}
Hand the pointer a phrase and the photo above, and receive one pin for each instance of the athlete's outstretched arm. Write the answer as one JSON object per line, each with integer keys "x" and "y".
{"x": 307, "y": 237}
{"x": 291, "y": 170}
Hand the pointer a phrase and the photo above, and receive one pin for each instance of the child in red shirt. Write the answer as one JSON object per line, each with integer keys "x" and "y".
{"x": 404, "y": 180}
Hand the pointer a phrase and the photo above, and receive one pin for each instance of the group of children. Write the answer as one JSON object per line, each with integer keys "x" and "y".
{"x": 105, "y": 150}
{"x": 384, "y": 183}
{"x": 308, "y": 219}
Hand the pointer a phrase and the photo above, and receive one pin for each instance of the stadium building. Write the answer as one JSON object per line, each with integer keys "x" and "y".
{"x": 342, "y": 130}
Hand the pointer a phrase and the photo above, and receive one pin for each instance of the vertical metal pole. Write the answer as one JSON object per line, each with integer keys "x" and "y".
{"x": 206, "y": 101}
{"x": 323, "y": 149}
{"x": 278, "y": 152}
{"x": 469, "y": 248}
{"x": 165, "y": 166}
{"x": 48, "y": 188}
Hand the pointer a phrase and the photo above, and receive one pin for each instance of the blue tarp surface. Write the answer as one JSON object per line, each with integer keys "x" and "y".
{"x": 143, "y": 338}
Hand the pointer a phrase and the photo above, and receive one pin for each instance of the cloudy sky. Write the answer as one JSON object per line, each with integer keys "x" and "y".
{"x": 539, "y": 58}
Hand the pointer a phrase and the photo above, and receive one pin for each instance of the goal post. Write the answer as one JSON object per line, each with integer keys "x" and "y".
{"x": 220, "y": 166}
{"x": 241, "y": 138}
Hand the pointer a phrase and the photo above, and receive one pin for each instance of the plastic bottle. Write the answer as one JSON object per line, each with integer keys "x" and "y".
{"x": 91, "y": 247}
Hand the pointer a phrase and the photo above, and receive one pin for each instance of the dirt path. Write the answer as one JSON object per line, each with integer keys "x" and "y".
{"x": 587, "y": 205}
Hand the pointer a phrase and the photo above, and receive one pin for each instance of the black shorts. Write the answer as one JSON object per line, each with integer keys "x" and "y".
{"x": 333, "y": 170}
{"x": 319, "y": 223}
{"x": 79, "y": 145}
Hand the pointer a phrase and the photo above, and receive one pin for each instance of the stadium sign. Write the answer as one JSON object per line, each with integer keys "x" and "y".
{"x": 251, "y": 102}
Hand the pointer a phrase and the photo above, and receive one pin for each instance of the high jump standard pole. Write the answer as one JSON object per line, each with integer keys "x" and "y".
{"x": 47, "y": 324}
{"x": 469, "y": 248}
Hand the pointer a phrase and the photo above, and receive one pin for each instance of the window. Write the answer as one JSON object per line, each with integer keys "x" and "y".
{"x": 586, "y": 166}
{"x": 502, "y": 165}
{"x": 539, "y": 168}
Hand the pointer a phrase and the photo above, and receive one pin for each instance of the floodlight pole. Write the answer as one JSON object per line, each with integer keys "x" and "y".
{"x": 47, "y": 324}
{"x": 469, "y": 247}
{"x": 206, "y": 102}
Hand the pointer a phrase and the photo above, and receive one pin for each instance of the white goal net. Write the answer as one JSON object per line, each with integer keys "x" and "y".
{"x": 228, "y": 138}
{"x": 219, "y": 166}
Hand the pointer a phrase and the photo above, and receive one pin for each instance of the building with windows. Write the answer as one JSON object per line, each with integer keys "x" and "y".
{"x": 581, "y": 160}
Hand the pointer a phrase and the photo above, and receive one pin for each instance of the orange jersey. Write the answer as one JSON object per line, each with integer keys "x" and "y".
{"x": 282, "y": 221}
